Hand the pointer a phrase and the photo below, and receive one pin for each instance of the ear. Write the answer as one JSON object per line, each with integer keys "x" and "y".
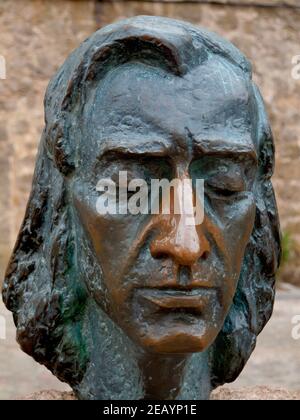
{"x": 267, "y": 213}
{"x": 42, "y": 286}
{"x": 264, "y": 136}
{"x": 24, "y": 259}
{"x": 253, "y": 302}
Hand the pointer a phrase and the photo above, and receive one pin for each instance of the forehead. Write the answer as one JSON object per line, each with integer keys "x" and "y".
{"x": 211, "y": 101}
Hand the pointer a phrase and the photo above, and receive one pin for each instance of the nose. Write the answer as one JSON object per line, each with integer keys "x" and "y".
{"x": 184, "y": 244}
{"x": 180, "y": 240}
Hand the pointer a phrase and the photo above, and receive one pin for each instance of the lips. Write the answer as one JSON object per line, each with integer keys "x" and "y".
{"x": 192, "y": 300}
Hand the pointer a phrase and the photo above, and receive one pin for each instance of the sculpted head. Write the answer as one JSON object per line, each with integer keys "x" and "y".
{"x": 159, "y": 99}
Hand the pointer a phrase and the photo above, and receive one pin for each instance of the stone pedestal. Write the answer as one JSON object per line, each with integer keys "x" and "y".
{"x": 223, "y": 393}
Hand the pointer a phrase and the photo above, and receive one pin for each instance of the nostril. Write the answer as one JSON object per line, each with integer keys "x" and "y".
{"x": 205, "y": 255}
{"x": 160, "y": 255}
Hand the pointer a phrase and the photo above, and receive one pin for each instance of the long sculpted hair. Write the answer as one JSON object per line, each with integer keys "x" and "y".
{"x": 45, "y": 285}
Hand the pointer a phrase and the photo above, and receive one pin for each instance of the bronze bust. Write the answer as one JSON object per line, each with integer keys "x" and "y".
{"x": 145, "y": 306}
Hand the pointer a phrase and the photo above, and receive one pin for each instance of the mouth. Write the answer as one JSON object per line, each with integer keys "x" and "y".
{"x": 189, "y": 301}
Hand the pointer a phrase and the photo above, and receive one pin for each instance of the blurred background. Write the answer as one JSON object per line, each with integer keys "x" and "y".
{"x": 37, "y": 36}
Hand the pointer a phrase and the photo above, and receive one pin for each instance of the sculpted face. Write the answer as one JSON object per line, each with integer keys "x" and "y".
{"x": 167, "y": 284}
{"x": 148, "y": 304}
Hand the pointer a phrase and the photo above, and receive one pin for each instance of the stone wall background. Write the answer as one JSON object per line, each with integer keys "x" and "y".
{"x": 37, "y": 35}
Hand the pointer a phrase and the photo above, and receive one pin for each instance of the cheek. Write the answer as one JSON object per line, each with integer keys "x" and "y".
{"x": 238, "y": 226}
{"x": 111, "y": 236}
{"x": 233, "y": 222}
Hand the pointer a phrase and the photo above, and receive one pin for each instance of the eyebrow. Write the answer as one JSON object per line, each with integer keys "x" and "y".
{"x": 226, "y": 148}
{"x": 136, "y": 146}
{"x": 163, "y": 147}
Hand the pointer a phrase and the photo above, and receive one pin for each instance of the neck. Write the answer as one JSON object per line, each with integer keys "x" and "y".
{"x": 170, "y": 377}
{"x": 162, "y": 375}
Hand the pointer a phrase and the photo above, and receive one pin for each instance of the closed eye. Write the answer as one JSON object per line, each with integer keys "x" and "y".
{"x": 225, "y": 186}
{"x": 225, "y": 192}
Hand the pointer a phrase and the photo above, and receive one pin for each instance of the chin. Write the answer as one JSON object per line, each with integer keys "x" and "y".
{"x": 178, "y": 339}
